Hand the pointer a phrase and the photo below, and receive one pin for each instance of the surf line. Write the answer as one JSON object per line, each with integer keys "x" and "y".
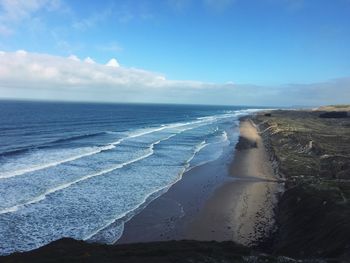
{"x": 99, "y": 150}
{"x": 197, "y": 149}
{"x": 66, "y": 185}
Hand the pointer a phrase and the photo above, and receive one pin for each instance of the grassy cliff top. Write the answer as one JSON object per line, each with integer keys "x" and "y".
{"x": 307, "y": 145}
{"x": 313, "y": 155}
{"x": 341, "y": 107}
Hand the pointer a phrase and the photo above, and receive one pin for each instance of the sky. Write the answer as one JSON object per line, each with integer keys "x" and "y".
{"x": 242, "y": 52}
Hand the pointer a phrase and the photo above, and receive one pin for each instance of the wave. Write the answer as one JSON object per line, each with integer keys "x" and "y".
{"x": 131, "y": 134}
{"x": 76, "y": 157}
{"x": 78, "y": 137}
{"x": 223, "y": 139}
{"x": 50, "y": 143}
{"x": 119, "y": 166}
{"x": 230, "y": 114}
{"x": 224, "y": 136}
{"x": 130, "y": 213}
{"x": 147, "y": 199}
{"x": 66, "y": 185}
{"x": 197, "y": 149}
{"x": 162, "y": 127}
{"x": 52, "y": 164}
{"x": 18, "y": 151}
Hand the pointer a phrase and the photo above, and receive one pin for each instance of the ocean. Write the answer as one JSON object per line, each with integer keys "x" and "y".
{"x": 82, "y": 170}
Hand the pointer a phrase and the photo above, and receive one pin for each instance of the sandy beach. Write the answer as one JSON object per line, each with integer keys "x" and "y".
{"x": 241, "y": 210}
{"x": 215, "y": 201}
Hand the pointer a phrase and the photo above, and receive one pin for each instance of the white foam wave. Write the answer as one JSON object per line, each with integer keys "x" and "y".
{"x": 200, "y": 146}
{"x": 76, "y": 157}
{"x": 66, "y": 185}
{"x": 145, "y": 131}
{"x": 48, "y": 165}
{"x": 230, "y": 114}
{"x": 134, "y": 134}
{"x": 223, "y": 139}
{"x": 63, "y": 186}
{"x": 122, "y": 215}
{"x": 197, "y": 149}
{"x": 162, "y": 127}
{"x": 161, "y": 190}
{"x": 224, "y": 136}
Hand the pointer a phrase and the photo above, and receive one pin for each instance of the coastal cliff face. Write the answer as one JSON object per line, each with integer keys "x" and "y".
{"x": 312, "y": 155}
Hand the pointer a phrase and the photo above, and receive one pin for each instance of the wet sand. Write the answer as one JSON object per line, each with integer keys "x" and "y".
{"x": 241, "y": 210}
{"x": 221, "y": 200}
{"x": 167, "y": 217}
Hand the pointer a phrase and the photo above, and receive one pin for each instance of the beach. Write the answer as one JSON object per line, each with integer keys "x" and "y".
{"x": 241, "y": 210}
{"x": 221, "y": 201}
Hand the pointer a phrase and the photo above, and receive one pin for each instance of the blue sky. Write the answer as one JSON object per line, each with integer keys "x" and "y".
{"x": 267, "y": 43}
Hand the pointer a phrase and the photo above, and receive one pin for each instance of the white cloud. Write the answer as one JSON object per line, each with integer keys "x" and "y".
{"x": 21, "y": 52}
{"x": 16, "y": 10}
{"x": 113, "y": 63}
{"x": 25, "y": 75}
{"x": 32, "y": 75}
{"x": 89, "y": 60}
{"x": 23, "y": 69}
{"x": 13, "y": 12}
{"x": 74, "y": 58}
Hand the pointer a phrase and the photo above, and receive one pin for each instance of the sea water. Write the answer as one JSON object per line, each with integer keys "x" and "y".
{"x": 82, "y": 170}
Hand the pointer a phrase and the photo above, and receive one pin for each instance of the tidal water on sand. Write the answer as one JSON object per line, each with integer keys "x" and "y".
{"x": 81, "y": 170}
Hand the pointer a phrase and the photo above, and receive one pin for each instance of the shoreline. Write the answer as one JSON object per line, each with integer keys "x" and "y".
{"x": 242, "y": 210}
{"x": 166, "y": 217}
{"x": 214, "y": 201}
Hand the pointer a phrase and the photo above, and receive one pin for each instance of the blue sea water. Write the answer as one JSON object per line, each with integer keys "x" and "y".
{"x": 81, "y": 170}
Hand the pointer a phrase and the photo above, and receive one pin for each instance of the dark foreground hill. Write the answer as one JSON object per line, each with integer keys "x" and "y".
{"x": 70, "y": 250}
